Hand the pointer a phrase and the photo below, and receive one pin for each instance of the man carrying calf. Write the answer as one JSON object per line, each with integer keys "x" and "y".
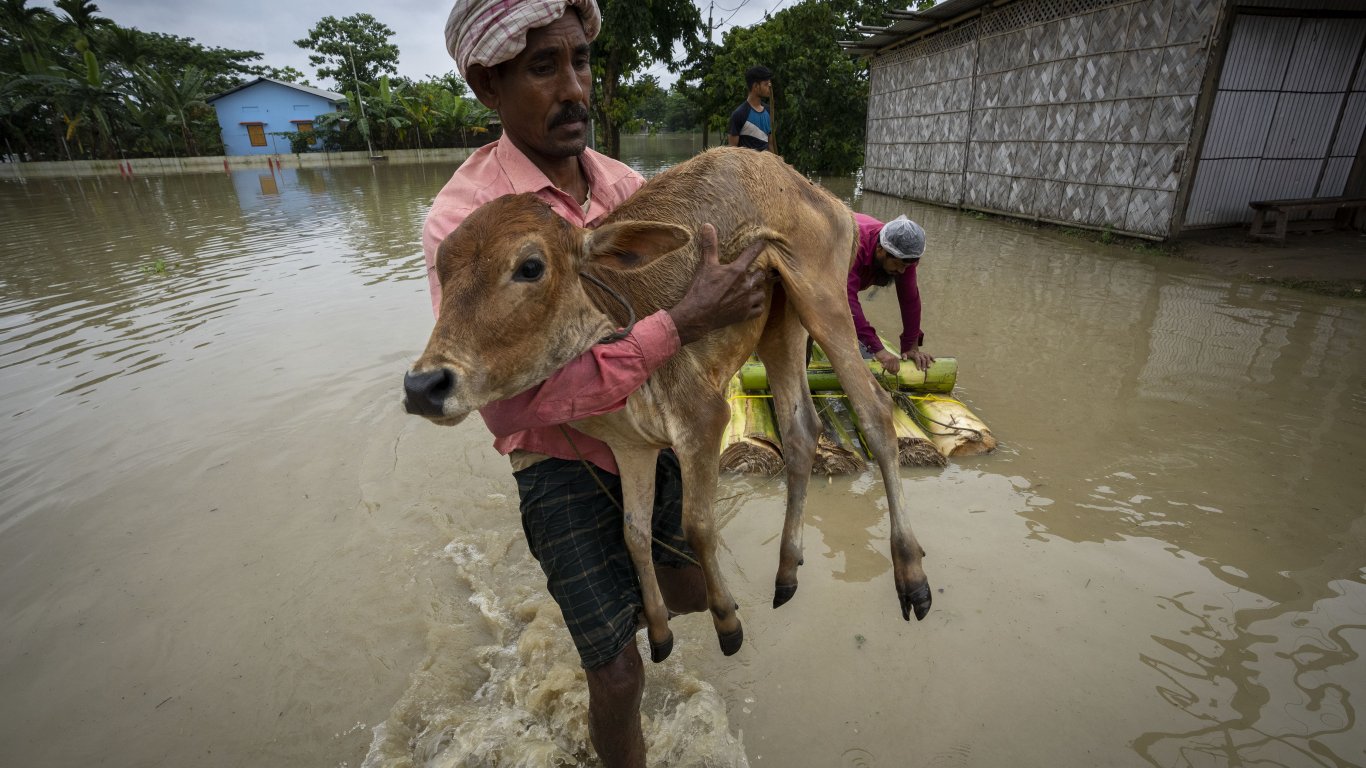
{"x": 529, "y": 61}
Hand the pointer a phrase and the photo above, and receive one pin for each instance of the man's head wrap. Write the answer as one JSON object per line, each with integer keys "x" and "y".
{"x": 490, "y": 32}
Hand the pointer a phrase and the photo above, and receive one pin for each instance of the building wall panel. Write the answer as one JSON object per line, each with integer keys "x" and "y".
{"x": 1349, "y": 130}
{"x": 1056, "y": 109}
{"x": 1286, "y": 135}
{"x": 1258, "y": 53}
{"x": 1303, "y": 126}
{"x": 1326, "y": 51}
{"x": 1285, "y": 179}
{"x": 1239, "y": 124}
{"x": 1334, "y": 181}
{"x": 1219, "y": 193}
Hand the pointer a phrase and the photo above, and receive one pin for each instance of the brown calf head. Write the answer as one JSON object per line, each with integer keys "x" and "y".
{"x": 513, "y": 309}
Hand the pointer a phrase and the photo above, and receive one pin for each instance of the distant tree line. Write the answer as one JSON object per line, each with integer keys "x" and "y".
{"x": 74, "y": 84}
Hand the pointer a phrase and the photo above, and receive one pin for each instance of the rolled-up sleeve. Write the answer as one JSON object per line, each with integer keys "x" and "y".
{"x": 596, "y": 382}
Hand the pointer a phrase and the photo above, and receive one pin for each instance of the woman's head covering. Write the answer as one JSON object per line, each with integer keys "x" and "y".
{"x": 490, "y": 32}
{"x": 903, "y": 238}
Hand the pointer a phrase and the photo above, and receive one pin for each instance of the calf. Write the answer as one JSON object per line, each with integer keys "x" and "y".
{"x": 514, "y": 309}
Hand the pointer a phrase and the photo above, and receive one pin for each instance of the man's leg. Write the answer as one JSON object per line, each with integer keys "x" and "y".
{"x": 614, "y": 692}
{"x": 574, "y": 531}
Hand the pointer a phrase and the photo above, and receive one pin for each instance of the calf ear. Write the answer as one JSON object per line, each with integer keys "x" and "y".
{"x": 633, "y": 244}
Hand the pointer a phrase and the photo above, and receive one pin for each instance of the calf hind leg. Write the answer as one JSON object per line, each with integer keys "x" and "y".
{"x": 834, "y": 331}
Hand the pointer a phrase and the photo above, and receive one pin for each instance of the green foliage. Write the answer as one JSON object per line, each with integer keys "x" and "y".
{"x": 635, "y": 34}
{"x": 299, "y": 141}
{"x": 357, "y": 42}
{"x": 287, "y": 74}
{"x": 75, "y": 84}
{"x": 680, "y": 110}
{"x": 820, "y": 93}
{"x": 404, "y": 115}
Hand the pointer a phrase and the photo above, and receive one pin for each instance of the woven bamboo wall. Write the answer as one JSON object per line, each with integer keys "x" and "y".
{"x": 1066, "y": 110}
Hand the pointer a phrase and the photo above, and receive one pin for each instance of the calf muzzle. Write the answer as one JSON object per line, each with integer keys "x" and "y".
{"x": 425, "y": 393}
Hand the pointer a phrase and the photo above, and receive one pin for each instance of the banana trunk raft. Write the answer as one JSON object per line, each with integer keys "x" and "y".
{"x": 930, "y": 425}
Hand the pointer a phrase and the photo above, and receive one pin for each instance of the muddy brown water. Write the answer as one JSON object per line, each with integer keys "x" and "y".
{"x": 222, "y": 543}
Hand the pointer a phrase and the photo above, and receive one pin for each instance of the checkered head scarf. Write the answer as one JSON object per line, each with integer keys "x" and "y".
{"x": 490, "y": 32}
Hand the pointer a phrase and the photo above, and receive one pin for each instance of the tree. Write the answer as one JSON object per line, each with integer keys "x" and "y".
{"x": 287, "y": 74}
{"x": 80, "y": 16}
{"x": 820, "y": 93}
{"x": 680, "y": 109}
{"x": 635, "y": 34}
{"x": 652, "y": 102}
{"x": 358, "y": 41}
{"x": 178, "y": 93}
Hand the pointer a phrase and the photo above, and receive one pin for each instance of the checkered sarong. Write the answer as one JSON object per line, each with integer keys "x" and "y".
{"x": 575, "y": 532}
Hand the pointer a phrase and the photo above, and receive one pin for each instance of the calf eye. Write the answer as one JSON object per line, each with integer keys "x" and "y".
{"x": 530, "y": 271}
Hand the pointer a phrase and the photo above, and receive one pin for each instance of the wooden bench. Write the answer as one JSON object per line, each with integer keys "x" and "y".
{"x": 1345, "y": 211}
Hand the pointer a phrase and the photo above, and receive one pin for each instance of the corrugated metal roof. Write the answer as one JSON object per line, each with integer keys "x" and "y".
{"x": 332, "y": 96}
{"x": 908, "y": 23}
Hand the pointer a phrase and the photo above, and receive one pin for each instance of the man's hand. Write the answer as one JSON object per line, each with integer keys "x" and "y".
{"x": 921, "y": 359}
{"x": 890, "y": 362}
{"x": 720, "y": 294}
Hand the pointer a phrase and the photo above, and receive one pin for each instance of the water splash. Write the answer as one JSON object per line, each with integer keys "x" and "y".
{"x": 521, "y": 698}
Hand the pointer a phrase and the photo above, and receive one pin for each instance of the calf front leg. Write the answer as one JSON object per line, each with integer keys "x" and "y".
{"x": 637, "y": 468}
{"x": 697, "y": 450}
{"x": 783, "y": 352}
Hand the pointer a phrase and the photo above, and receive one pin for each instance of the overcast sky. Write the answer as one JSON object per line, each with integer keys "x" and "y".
{"x": 272, "y": 26}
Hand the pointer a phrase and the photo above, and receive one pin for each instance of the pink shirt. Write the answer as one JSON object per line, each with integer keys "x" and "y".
{"x": 599, "y": 380}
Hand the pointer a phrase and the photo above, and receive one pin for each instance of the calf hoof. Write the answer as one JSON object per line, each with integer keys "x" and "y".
{"x": 919, "y": 600}
{"x": 661, "y": 651}
{"x": 731, "y": 643}
{"x": 782, "y": 593}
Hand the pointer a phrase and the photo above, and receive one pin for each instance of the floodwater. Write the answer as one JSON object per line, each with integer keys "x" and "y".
{"x": 222, "y": 543}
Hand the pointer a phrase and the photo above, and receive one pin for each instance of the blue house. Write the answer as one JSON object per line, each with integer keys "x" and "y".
{"x": 252, "y": 113}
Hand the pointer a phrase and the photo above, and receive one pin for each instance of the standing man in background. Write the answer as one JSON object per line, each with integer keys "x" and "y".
{"x": 751, "y": 124}
{"x": 889, "y": 253}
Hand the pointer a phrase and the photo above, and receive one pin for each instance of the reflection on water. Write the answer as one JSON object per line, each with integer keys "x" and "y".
{"x": 208, "y": 494}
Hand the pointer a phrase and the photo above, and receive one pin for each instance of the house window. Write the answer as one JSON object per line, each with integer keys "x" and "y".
{"x": 303, "y": 126}
{"x": 257, "y": 133}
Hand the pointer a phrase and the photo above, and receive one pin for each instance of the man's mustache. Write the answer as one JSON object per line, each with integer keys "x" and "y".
{"x": 572, "y": 113}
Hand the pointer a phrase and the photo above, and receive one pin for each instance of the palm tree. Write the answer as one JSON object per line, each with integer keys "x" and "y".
{"x": 384, "y": 108}
{"x": 177, "y": 93}
{"x": 20, "y": 21}
{"x": 461, "y": 115}
{"x": 80, "y": 16}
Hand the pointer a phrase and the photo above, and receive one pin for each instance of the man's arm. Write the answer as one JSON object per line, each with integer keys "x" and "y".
{"x": 867, "y": 335}
{"x": 908, "y": 297}
{"x": 596, "y": 382}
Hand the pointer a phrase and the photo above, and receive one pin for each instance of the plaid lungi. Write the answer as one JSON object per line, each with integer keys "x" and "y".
{"x": 575, "y": 532}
